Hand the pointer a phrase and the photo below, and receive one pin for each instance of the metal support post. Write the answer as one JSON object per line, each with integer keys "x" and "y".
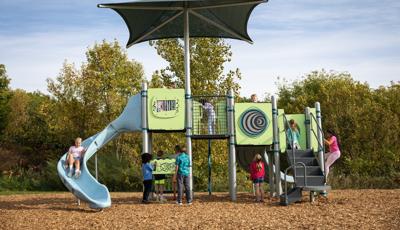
{"x": 145, "y": 136}
{"x": 232, "y": 153}
{"x": 278, "y": 186}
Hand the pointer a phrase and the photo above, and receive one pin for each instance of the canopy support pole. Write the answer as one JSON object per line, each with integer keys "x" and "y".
{"x": 232, "y": 153}
{"x": 188, "y": 96}
{"x": 145, "y": 136}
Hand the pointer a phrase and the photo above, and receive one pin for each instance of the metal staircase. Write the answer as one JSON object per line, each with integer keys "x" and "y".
{"x": 307, "y": 174}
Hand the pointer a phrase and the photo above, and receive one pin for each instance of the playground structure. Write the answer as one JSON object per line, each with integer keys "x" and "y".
{"x": 249, "y": 128}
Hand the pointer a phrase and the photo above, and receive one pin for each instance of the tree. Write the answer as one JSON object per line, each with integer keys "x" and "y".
{"x": 366, "y": 120}
{"x": 208, "y": 77}
{"x": 208, "y": 56}
{"x": 4, "y": 97}
{"x": 90, "y": 98}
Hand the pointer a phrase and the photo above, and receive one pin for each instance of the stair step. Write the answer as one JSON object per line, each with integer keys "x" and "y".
{"x": 292, "y": 196}
{"x": 308, "y": 161}
{"x": 311, "y": 181}
{"x": 310, "y": 170}
{"x": 300, "y": 153}
{"x": 317, "y": 188}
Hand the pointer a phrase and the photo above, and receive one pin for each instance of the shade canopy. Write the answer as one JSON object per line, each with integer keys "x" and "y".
{"x": 158, "y": 19}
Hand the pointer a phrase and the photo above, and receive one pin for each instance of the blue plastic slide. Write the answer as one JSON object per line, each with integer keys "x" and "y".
{"x": 86, "y": 187}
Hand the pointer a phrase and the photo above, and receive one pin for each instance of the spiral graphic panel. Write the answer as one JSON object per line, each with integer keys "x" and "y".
{"x": 253, "y": 122}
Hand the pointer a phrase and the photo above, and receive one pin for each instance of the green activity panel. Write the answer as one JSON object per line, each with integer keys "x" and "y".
{"x": 282, "y": 130}
{"x": 253, "y": 123}
{"x": 300, "y": 120}
{"x": 166, "y": 109}
{"x": 314, "y": 130}
{"x": 163, "y": 166}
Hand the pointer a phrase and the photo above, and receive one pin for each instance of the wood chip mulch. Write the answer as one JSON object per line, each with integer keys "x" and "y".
{"x": 344, "y": 209}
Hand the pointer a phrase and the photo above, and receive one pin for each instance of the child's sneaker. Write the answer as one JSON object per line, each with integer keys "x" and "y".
{"x": 190, "y": 203}
{"x": 179, "y": 203}
{"x": 77, "y": 174}
{"x": 324, "y": 194}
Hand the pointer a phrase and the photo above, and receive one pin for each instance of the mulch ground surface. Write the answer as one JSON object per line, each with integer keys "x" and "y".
{"x": 344, "y": 209}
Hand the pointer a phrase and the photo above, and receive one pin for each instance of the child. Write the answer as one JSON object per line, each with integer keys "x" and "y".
{"x": 209, "y": 108}
{"x": 254, "y": 98}
{"x": 74, "y": 157}
{"x": 182, "y": 175}
{"x": 334, "y": 152}
{"x": 147, "y": 171}
{"x": 257, "y": 173}
{"x": 159, "y": 179}
{"x": 293, "y": 135}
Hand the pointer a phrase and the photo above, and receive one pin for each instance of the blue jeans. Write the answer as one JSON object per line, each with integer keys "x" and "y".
{"x": 183, "y": 181}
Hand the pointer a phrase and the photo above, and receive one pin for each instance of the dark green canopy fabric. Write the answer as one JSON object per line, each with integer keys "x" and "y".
{"x": 158, "y": 19}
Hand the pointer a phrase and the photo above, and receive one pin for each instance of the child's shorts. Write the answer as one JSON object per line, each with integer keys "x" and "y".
{"x": 77, "y": 158}
{"x": 258, "y": 180}
{"x": 159, "y": 182}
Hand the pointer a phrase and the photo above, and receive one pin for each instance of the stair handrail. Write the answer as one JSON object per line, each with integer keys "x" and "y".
{"x": 320, "y": 145}
{"x": 305, "y": 174}
{"x": 291, "y": 142}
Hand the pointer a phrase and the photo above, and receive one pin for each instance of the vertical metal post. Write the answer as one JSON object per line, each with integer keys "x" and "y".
{"x": 321, "y": 158}
{"x": 150, "y": 142}
{"x": 145, "y": 136}
{"x": 209, "y": 168}
{"x": 232, "y": 153}
{"x": 270, "y": 158}
{"x": 188, "y": 95}
{"x": 95, "y": 163}
{"x": 308, "y": 127}
{"x": 278, "y": 186}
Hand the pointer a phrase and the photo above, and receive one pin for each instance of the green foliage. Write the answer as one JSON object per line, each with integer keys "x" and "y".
{"x": 36, "y": 129}
{"x": 118, "y": 174}
{"x": 4, "y": 97}
{"x": 207, "y": 59}
{"x": 366, "y": 120}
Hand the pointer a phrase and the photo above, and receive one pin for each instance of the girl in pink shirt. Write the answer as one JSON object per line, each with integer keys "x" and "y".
{"x": 334, "y": 151}
{"x": 257, "y": 173}
{"x": 75, "y": 154}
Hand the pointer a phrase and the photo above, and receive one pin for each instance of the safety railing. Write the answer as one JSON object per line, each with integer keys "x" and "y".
{"x": 291, "y": 143}
{"x": 321, "y": 146}
{"x": 209, "y": 116}
{"x": 294, "y": 167}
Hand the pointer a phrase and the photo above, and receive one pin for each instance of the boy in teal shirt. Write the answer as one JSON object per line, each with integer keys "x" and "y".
{"x": 182, "y": 174}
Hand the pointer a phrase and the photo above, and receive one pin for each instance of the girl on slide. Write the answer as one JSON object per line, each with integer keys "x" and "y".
{"x": 334, "y": 152}
{"x": 257, "y": 173}
{"x": 75, "y": 154}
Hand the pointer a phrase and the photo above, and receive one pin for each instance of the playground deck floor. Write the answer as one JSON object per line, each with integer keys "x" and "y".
{"x": 344, "y": 209}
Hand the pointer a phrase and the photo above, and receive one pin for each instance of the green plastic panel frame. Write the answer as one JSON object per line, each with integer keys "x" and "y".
{"x": 166, "y": 109}
{"x": 314, "y": 131}
{"x": 253, "y": 123}
{"x": 282, "y": 131}
{"x": 300, "y": 120}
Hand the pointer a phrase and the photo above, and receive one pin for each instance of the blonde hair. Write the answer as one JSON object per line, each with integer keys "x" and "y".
{"x": 78, "y": 139}
{"x": 257, "y": 157}
{"x": 258, "y": 160}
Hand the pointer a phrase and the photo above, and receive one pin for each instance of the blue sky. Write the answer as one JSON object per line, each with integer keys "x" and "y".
{"x": 291, "y": 38}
